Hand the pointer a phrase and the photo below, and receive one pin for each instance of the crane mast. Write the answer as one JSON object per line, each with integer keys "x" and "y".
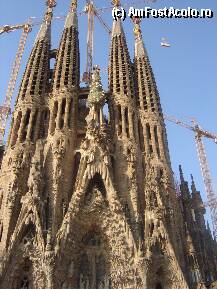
{"x": 91, "y": 13}
{"x": 5, "y": 109}
{"x": 206, "y": 174}
{"x": 89, "y": 65}
{"x": 212, "y": 202}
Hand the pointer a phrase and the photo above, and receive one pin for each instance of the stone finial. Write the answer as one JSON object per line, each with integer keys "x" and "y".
{"x": 116, "y": 3}
{"x": 117, "y": 28}
{"x": 72, "y": 18}
{"x": 140, "y": 50}
{"x": 97, "y": 94}
{"x": 74, "y": 5}
{"x": 181, "y": 174}
{"x": 137, "y": 29}
{"x": 44, "y": 31}
{"x": 193, "y": 187}
{"x": 49, "y": 13}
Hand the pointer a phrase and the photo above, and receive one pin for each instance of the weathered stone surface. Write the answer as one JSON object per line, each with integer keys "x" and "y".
{"x": 88, "y": 201}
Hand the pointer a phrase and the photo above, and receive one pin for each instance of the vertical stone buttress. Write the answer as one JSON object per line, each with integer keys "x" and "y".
{"x": 123, "y": 116}
{"x": 60, "y": 148}
{"x": 30, "y": 123}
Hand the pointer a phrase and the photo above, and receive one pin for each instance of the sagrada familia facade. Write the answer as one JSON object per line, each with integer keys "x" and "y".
{"x": 87, "y": 200}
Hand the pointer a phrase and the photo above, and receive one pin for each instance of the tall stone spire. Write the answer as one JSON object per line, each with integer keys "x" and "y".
{"x": 64, "y": 105}
{"x": 120, "y": 68}
{"x": 151, "y": 124}
{"x": 82, "y": 206}
{"x": 184, "y": 186}
{"x": 147, "y": 90}
{"x": 36, "y": 77}
{"x": 67, "y": 68}
{"x": 34, "y": 87}
{"x": 181, "y": 175}
{"x": 29, "y": 123}
{"x": 121, "y": 83}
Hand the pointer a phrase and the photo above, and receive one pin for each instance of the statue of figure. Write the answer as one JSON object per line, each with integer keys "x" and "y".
{"x": 107, "y": 283}
{"x": 101, "y": 285}
{"x": 35, "y": 178}
{"x": 87, "y": 284}
{"x": 81, "y": 283}
{"x": 25, "y": 283}
{"x": 84, "y": 282}
{"x": 71, "y": 269}
{"x": 64, "y": 285}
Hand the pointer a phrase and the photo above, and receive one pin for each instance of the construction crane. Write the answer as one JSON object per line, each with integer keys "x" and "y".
{"x": 91, "y": 13}
{"x": 199, "y": 133}
{"x": 5, "y": 109}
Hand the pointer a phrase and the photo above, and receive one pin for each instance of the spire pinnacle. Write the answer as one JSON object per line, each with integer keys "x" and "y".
{"x": 137, "y": 29}
{"x": 74, "y": 6}
{"x": 140, "y": 50}
{"x": 49, "y": 13}
{"x": 45, "y": 27}
{"x": 72, "y": 19}
{"x": 181, "y": 174}
{"x": 116, "y": 3}
{"x": 193, "y": 187}
{"x": 117, "y": 28}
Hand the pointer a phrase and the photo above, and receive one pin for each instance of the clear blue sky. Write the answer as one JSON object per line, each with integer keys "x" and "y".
{"x": 186, "y": 73}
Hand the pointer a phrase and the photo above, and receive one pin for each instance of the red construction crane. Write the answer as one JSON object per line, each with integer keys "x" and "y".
{"x": 199, "y": 133}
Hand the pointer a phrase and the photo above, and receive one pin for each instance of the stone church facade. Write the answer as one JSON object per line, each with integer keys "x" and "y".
{"x": 87, "y": 200}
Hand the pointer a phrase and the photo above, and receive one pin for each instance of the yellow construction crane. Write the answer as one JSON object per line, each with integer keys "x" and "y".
{"x": 199, "y": 133}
